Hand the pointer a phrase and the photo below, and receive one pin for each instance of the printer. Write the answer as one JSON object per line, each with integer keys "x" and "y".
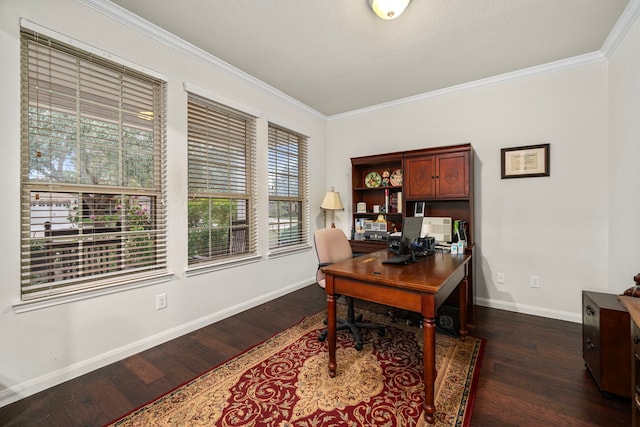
{"x": 376, "y": 231}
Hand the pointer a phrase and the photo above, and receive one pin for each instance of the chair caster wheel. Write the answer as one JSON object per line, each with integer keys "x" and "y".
{"x": 358, "y": 346}
{"x": 381, "y": 332}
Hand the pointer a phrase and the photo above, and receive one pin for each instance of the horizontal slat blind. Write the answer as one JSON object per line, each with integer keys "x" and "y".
{"x": 221, "y": 146}
{"x": 288, "y": 188}
{"x": 93, "y": 175}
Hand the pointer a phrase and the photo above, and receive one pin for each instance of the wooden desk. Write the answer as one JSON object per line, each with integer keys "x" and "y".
{"x": 419, "y": 287}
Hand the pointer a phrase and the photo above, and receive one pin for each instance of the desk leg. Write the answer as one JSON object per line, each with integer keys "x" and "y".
{"x": 463, "y": 292}
{"x": 331, "y": 334}
{"x": 429, "y": 350}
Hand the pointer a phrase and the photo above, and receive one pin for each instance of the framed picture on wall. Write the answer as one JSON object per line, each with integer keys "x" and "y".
{"x": 419, "y": 209}
{"x": 525, "y": 162}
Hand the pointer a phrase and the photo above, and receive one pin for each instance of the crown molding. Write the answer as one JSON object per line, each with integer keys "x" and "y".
{"x": 576, "y": 61}
{"x": 622, "y": 27}
{"x": 163, "y": 36}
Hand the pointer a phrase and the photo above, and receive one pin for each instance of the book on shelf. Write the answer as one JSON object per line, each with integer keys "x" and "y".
{"x": 395, "y": 202}
{"x": 386, "y": 200}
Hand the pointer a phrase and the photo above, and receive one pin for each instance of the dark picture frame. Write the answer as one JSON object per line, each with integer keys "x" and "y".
{"x": 525, "y": 162}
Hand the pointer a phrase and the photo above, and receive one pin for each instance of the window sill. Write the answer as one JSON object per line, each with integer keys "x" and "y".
{"x": 279, "y": 252}
{"x": 206, "y": 268}
{"x": 79, "y": 295}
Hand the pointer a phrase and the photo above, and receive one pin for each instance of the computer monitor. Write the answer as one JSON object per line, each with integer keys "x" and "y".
{"x": 411, "y": 231}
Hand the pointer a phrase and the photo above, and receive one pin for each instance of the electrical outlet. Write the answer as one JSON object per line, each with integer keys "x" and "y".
{"x": 161, "y": 301}
{"x": 535, "y": 281}
{"x": 500, "y": 277}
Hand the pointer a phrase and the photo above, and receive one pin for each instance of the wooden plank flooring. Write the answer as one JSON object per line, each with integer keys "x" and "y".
{"x": 532, "y": 372}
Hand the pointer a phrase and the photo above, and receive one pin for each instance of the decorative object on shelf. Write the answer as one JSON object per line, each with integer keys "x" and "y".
{"x": 524, "y": 162}
{"x": 372, "y": 180}
{"x": 385, "y": 178}
{"x": 388, "y": 9}
{"x": 359, "y": 229}
{"x": 361, "y": 207}
{"x": 386, "y": 200}
{"x": 634, "y": 291}
{"x": 331, "y": 203}
{"x": 419, "y": 209}
{"x": 396, "y": 178}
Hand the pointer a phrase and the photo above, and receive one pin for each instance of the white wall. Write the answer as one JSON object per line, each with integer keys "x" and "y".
{"x": 624, "y": 161}
{"x": 43, "y": 347}
{"x": 555, "y": 227}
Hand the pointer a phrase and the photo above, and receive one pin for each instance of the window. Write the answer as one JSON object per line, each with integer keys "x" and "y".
{"x": 92, "y": 171}
{"x": 288, "y": 201}
{"x": 221, "y": 145}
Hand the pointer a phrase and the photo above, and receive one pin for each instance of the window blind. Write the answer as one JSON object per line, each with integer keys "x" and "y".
{"x": 221, "y": 176}
{"x": 92, "y": 170}
{"x": 288, "y": 188}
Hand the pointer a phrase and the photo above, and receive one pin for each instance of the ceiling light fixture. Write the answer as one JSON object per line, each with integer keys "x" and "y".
{"x": 388, "y": 9}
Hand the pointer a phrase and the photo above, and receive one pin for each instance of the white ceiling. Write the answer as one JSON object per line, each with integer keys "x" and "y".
{"x": 337, "y": 56}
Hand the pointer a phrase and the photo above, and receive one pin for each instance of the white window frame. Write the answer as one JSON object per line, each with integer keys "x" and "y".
{"x": 221, "y": 143}
{"x": 134, "y": 240}
{"x": 288, "y": 190}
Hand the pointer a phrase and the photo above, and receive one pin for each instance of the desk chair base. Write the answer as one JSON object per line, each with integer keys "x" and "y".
{"x": 354, "y": 324}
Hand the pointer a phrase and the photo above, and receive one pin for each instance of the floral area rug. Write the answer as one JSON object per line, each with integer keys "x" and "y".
{"x": 284, "y": 382}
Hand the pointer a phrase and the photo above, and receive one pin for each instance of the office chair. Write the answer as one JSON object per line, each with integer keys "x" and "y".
{"x": 332, "y": 246}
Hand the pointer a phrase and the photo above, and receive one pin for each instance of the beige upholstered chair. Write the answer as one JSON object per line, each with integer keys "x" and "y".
{"x": 332, "y": 246}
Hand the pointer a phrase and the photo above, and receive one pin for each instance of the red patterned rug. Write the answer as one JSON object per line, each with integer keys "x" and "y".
{"x": 284, "y": 382}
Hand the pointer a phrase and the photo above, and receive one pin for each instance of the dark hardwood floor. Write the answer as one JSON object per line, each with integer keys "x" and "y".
{"x": 532, "y": 372}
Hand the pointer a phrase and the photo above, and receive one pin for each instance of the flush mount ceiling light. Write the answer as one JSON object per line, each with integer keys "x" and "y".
{"x": 388, "y": 9}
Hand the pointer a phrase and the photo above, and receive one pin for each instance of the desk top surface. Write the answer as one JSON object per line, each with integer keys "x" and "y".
{"x": 428, "y": 274}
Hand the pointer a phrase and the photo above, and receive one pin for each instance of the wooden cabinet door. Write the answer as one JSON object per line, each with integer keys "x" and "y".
{"x": 420, "y": 177}
{"x": 452, "y": 175}
{"x": 441, "y": 176}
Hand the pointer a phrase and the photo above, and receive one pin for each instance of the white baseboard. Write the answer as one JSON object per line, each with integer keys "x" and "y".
{"x": 530, "y": 309}
{"x": 28, "y": 388}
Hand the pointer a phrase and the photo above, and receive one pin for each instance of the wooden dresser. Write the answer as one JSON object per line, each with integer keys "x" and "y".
{"x": 633, "y": 306}
{"x": 606, "y": 347}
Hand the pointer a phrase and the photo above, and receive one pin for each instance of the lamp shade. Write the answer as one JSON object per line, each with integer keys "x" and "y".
{"x": 332, "y": 201}
{"x": 388, "y": 9}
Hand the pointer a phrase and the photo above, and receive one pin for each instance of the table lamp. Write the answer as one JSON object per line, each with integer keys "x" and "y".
{"x": 331, "y": 203}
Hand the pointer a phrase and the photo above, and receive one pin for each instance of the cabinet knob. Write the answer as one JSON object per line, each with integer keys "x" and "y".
{"x": 590, "y": 311}
{"x": 636, "y": 339}
{"x": 589, "y": 344}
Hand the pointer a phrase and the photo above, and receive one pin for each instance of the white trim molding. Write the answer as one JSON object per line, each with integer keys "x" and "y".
{"x": 125, "y": 17}
{"x": 28, "y": 388}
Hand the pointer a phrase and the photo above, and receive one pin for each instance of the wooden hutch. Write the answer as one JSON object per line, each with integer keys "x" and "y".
{"x": 439, "y": 178}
